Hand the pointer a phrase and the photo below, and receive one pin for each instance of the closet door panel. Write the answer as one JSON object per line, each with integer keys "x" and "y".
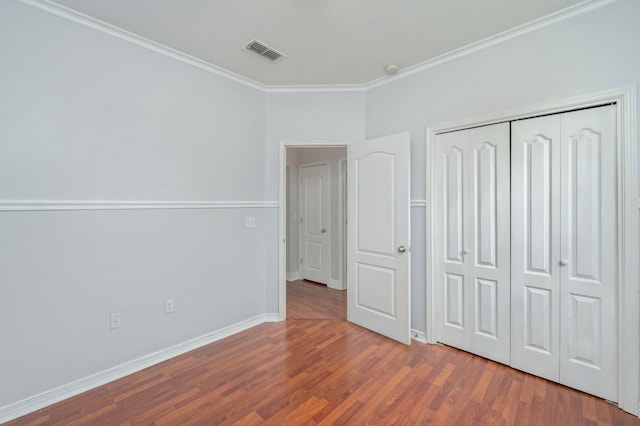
{"x": 538, "y": 212}
{"x": 583, "y": 190}
{"x": 454, "y": 301}
{"x": 535, "y": 234}
{"x": 588, "y": 354}
{"x": 453, "y": 166}
{"x": 485, "y": 204}
{"x": 486, "y": 298}
{"x": 472, "y": 231}
{"x": 451, "y": 265}
{"x": 537, "y": 332}
{"x": 489, "y": 245}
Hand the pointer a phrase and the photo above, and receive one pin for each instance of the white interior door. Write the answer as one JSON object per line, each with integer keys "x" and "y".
{"x": 564, "y": 281}
{"x": 473, "y": 240}
{"x": 588, "y": 252}
{"x": 315, "y": 253}
{"x": 378, "y": 243}
{"x": 535, "y": 303}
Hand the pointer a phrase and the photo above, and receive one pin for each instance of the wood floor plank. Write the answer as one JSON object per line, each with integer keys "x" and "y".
{"x": 250, "y": 419}
{"x": 317, "y": 368}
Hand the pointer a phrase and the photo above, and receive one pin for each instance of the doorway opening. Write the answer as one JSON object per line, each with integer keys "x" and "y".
{"x": 316, "y": 284}
{"x": 312, "y": 229}
{"x": 378, "y": 235}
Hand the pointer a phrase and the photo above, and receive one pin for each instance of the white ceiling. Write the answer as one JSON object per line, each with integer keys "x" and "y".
{"x": 327, "y": 42}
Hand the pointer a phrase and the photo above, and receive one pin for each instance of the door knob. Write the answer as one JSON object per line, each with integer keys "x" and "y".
{"x": 402, "y": 249}
{"x": 564, "y": 262}
{"x": 323, "y": 230}
{"x": 465, "y": 251}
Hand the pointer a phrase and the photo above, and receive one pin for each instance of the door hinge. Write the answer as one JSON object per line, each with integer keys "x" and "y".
{"x": 300, "y": 220}
{"x": 301, "y": 261}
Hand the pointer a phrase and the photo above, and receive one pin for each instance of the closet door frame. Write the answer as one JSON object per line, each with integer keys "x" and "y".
{"x": 627, "y": 211}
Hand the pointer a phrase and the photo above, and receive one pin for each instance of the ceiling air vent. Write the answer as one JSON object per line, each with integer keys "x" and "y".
{"x": 264, "y": 50}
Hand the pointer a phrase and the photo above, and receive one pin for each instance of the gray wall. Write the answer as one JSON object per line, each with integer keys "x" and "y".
{"x": 87, "y": 116}
{"x": 591, "y": 52}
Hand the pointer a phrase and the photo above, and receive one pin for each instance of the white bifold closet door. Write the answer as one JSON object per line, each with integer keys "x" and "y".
{"x": 563, "y": 270}
{"x": 472, "y": 233}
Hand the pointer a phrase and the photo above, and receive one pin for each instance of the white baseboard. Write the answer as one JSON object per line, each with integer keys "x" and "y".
{"x": 335, "y": 284}
{"x": 44, "y": 399}
{"x": 418, "y": 336}
{"x": 272, "y": 317}
{"x": 293, "y": 276}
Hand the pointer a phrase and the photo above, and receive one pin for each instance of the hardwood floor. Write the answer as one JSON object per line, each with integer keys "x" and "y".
{"x": 316, "y": 368}
{"x": 309, "y": 300}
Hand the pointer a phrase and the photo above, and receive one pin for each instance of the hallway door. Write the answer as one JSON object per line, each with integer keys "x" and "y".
{"x": 315, "y": 253}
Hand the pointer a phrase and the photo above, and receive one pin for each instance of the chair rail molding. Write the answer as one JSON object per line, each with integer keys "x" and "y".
{"x": 62, "y": 205}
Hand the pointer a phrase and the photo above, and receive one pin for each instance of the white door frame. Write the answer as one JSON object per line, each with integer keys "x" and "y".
{"x": 627, "y": 211}
{"x": 342, "y": 215}
{"x": 282, "y": 214}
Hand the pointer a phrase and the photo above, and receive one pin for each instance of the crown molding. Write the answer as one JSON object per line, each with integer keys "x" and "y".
{"x": 569, "y": 12}
{"x": 88, "y": 21}
{"x": 96, "y": 24}
{"x": 63, "y": 205}
{"x": 315, "y": 88}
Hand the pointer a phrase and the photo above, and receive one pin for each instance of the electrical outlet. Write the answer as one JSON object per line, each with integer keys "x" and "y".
{"x": 168, "y": 306}
{"x": 115, "y": 320}
{"x": 250, "y": 222}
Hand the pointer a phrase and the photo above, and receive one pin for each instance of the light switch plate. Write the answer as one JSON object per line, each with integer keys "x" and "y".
{"x": 168, "y": 306}
{"x": 115, "y": 320}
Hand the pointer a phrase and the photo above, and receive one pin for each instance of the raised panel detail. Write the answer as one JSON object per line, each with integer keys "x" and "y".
{"x": 313, "y": 255}
{"x": 485, "y": 204}
{"x": 454, "y": 300}
{"x": 379, "y": 285}
{"x": 314, "y": 197}
{"x": 584, "y": 341}
{"x": 538, "y": 204}
{"x": 453, "y": 205}
{"x": 584, "y": 204}
{"x": 486, "y": 307}
{"x": 377, "y": 196}
{"x": 375, "y": 288}
{"x": 537, "y": 319}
